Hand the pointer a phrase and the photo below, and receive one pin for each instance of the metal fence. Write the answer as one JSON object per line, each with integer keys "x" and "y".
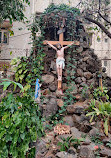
{"x": 9, "y": 53}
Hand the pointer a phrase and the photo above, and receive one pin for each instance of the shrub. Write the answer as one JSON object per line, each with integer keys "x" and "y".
{"x": 102, "y": 109}
{"x": 19, "y": 126}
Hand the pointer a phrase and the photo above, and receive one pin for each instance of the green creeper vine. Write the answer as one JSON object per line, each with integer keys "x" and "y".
{"x": 53, "y": 17}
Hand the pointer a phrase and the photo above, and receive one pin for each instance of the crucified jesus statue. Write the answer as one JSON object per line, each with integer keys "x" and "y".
{"x": 60, "y": 61}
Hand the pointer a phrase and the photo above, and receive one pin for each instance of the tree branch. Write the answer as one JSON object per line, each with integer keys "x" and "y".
{"x": 99, "y": 5}
{"x": 104, "y": 18}
{"x": 100, "y": 25}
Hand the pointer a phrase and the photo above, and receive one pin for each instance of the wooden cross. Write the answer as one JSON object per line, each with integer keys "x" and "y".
{"x": 62, "y": 42}
{"x": 61, "y": 39}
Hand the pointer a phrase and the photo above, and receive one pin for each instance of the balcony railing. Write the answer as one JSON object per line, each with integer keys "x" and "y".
{"x": 10, "y": 53}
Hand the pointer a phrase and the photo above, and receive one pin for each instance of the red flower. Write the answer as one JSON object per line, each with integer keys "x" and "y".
{"x": 96, "y": 147}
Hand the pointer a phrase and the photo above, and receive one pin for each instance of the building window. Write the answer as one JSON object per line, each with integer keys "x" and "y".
{"x": 105, "y": 63}
{"x": 4, "y": 36}
{"x": 106, "y": 40}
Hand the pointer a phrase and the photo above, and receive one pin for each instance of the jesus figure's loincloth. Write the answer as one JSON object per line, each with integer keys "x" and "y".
{"x": 60, "y": 63}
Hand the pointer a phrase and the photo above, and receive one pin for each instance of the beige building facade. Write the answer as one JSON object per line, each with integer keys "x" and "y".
{"x": 18, "y": 44}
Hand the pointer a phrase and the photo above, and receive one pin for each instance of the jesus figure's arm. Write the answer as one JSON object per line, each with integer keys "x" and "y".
{"x": 51, "y": 45}
{"x": 68, "y": 45}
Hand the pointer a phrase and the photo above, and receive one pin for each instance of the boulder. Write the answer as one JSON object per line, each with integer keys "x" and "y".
{"x": 106, "y": 140}
{"x": 85, "y": 58}
{"x": 82, "y": 123}
{"x": 50, "y": 108}
{"x": 87, "y": 141}
{"x": 85, "y": 126}
{"x": 77, "y": 119}
{"x": 45, "y": 92}
{"x": 105, "y": 152}
{"x": 78, "y": 80}
{"x": 72, "y": 150}
{"x": 91, "y": 82}
{"x": 93, "y": 132}
{"x": 68, "y": 120}
{"x": 48, "y": 78}
{"x": 52, "y": 87}
{"x": 83, "y": 79}
{"x": 77, "y": 108}
{"x": 60, "y": 102}
{"x": 41, "y": 148}
{"x": 88, "y": 75}
{"x": 90, "y": 61}
{"x": 76, "y": 133}
{"x": 64, "y": 154}
{"x": 83, "y": 66}
{"x": 64, "y": 86}
{"x": 83, "y": 84}
{"x": 70, "y": 109}
{"x": 59, "y": 93}
{"x": 49, "y": 137}
{"x": 86, "y": 152}
{"x": 79, "y": 72}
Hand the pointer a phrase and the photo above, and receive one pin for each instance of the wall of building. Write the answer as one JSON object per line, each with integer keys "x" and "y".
{"x": 18, "y": 44}
{"x": 102, "y": 47}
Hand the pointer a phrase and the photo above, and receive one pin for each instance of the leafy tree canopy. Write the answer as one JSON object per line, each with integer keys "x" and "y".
{"x": 13, "y": 10}
{"x": 97, "y": 12}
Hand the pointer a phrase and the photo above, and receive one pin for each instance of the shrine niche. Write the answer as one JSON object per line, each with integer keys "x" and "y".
{"x": 59, "y": 32}
{"x": 52, "y": 31}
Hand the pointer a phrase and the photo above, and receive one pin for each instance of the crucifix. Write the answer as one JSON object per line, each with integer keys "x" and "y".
{"x": 60, "y": 52}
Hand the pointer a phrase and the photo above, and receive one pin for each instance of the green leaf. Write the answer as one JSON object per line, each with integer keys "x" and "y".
{"x": 66, "y": 144}
{"x": 11, "y": 32}
{"x": 90, "y": 113}
{"x": 8, "y": 138}
{"x": 97, "y": 111}
{"x": 19, "y": 85}
{"x": 21, "y": 77}
{"x": 5, "y": 84}
{"x": 15, "y": 85}
{"x": 59, "y": 143}
{"x": 92, "y": 118}
{"x": 22, "y": 136}
{"x": 20, "y": 71}
{"x": 2, "y": 133}
{"x": 20, "y": 65}
{"x": 106, "y": 127}
{"x": 11, "y": 53}
{"x": 26, "y": 87}
{"x": 25, "y": 148}
{"x": 25, "y": 71}
{"x": 15, "y": 139}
